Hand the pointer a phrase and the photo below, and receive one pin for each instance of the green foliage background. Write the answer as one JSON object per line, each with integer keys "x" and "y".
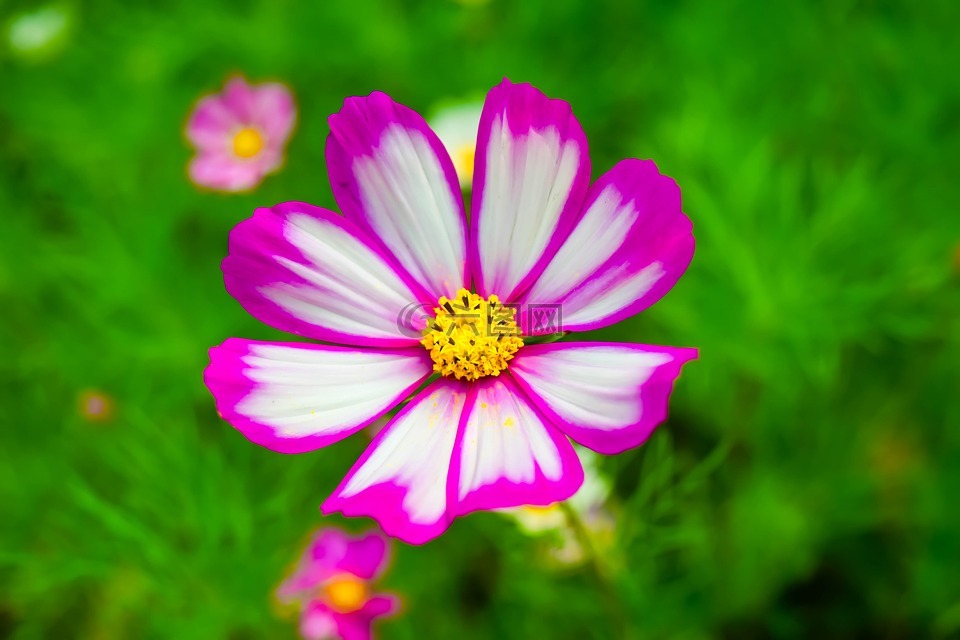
{"x": 806, "y": 483}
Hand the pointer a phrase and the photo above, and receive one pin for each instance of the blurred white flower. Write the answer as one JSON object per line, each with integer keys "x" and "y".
{"x": 39, "y": 32}
{"x": 457, "y": 126}
{"x": 589, "y": 506}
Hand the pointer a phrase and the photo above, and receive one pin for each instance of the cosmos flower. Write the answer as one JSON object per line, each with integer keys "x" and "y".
{"x": 407, "y": 291}
{"x": 457, "y": 126}
{"x": 332, "y": 586}
{"x": 240, "y": 134}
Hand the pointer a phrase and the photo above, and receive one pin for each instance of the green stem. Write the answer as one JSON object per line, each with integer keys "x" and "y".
{"x": 600, "y": 573}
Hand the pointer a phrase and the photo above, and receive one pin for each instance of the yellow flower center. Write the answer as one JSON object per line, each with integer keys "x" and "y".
{"x": 345, "y": 593}
{"x": 463, "y": 159}
{"x": 247, "y": 143}
{"x": 541, "y": 511}
{"x": 472, "y": 337}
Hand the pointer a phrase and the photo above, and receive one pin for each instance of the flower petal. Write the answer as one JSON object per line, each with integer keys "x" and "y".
{"x": 332, "y": 552}
{"x": 508, "y": 454}
{"x": 211, "y": 124}
{"x": 308, "y": 271}
{"x": 391, "y": 175}
{"x": 357, "y": 625}
{"x": 381, "y": 604}
{"x": 531, "y": 174}
{"x": 630, "y": 247}
{"x": 238, "y": 96}
{"x": 606, "y": 396}
{"x": 400, "y": 481}
{"x": 274, "y": 112}
{"x": 317, "y": 564}
{"x": 365, "y": 557}
{"x": 219, "y": 170}
{"x": 300, "y": 397}
{"x": 317, "y": 622}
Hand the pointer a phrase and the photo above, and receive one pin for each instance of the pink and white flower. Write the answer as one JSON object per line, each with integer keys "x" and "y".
{"x": 491, "y": 431}
{"x": 332, "y": 584}
{"x": 240, "y": 134}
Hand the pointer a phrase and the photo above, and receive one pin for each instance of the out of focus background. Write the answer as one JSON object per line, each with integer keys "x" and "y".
{"x": 806, "y": 484}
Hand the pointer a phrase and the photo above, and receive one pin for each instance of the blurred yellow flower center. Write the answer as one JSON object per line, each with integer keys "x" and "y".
{"x": 345, "y": 593}
{"x": 472, "y": 337}
{"x": 463, "y": 160}
{"x": 247, "y": 143}
{"x": 541, "y": 511}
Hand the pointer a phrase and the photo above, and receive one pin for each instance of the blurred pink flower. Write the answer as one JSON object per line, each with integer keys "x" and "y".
{"x": 95, "y": 405}
{"x": 332, "y": 584}
{"x": 240, "y": 134}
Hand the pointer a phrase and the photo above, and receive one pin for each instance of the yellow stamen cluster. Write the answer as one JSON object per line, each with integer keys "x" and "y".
{"x": 472, "y": 337}
{"x": 247, "y": 143}
{"x": 345, "y": 593}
